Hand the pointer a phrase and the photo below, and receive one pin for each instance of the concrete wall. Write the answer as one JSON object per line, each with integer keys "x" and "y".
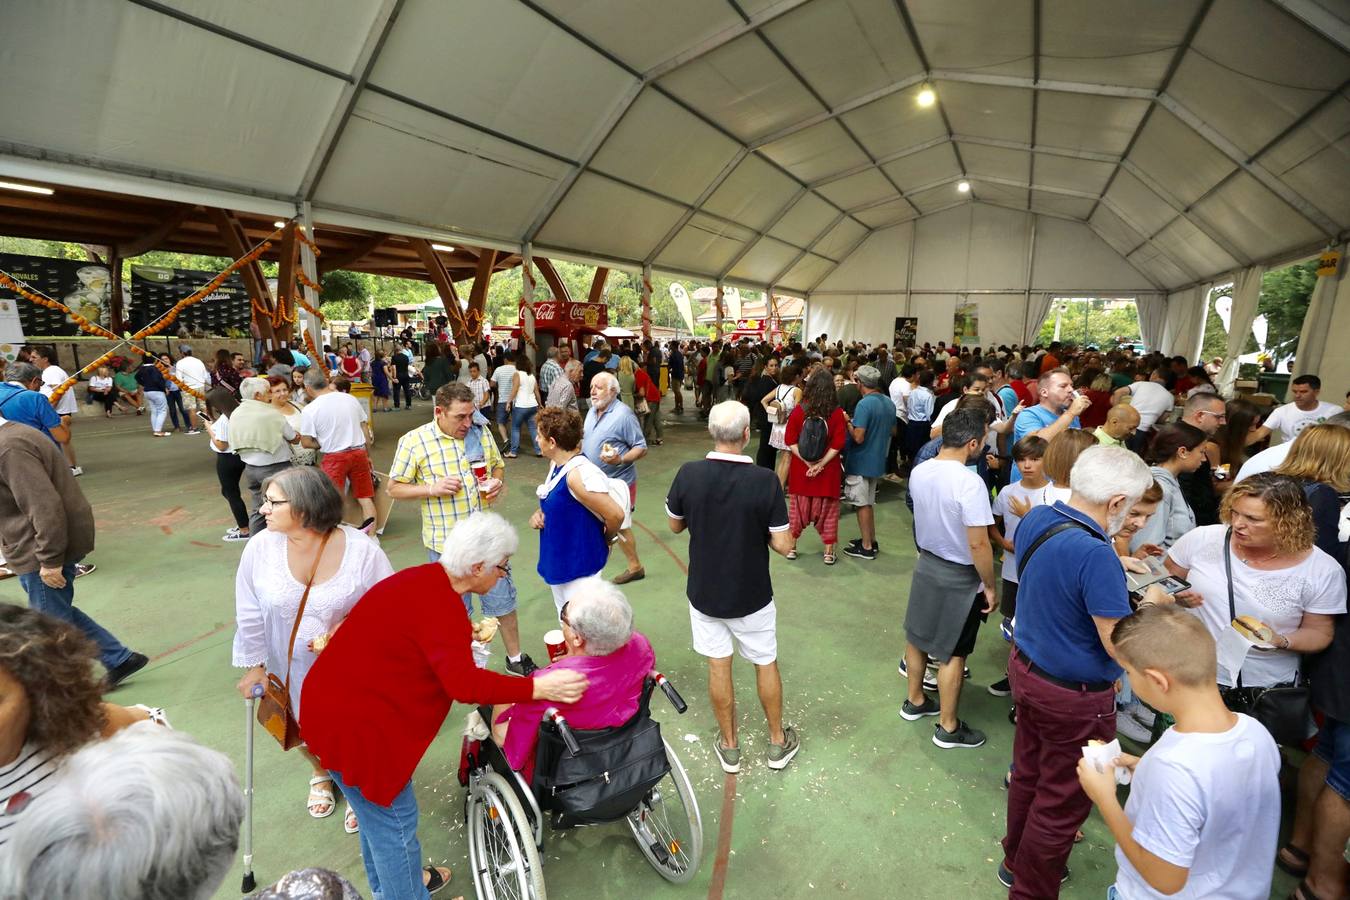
{"x": 74, "y": 355}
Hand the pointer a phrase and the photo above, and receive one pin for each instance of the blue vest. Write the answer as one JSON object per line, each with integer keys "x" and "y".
{"x": 575, "y": 543}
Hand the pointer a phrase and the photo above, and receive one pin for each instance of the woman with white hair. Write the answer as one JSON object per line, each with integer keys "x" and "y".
{"x": 597, "y": 625}
{"x": 400, "y": 659}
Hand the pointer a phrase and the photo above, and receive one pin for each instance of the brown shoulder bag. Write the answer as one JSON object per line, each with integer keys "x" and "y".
{"x": 274, "y": 707}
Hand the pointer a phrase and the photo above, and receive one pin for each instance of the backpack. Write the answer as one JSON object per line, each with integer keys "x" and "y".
{"x": 814, "y": 439}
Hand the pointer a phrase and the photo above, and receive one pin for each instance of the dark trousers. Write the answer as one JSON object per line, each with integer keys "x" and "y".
{"x": 406, "y": 388}
{"x": 896, "y": 456}
{"x": 1046, "y": 805}
{"x": 767, "y": 455}
{"x": 229, "y": 469}
{"x": 254, "y": 476}
{"x": 176, "y": 407}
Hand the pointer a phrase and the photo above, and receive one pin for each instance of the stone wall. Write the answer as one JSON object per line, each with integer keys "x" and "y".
{"x": 74, "y": 355}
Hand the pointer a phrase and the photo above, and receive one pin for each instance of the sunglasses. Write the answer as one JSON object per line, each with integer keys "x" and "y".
{"x": 562, "y": 614}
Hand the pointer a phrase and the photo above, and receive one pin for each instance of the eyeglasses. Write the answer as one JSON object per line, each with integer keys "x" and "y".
{"x": 562, "y": 614}
{"x": 268, "y": 501}
{"x": 504, "y": 568}
{"x": 1218, "y": 416}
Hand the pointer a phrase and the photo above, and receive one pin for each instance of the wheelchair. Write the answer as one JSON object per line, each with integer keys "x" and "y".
{"x": 582, "y": 778}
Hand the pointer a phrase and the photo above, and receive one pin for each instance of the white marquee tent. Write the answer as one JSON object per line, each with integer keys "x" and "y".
{"x": 1143, "y": 148}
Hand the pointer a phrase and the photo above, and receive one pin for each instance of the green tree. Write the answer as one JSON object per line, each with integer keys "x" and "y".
{"x": 1285, "y": 294}
{"x": 1088, "y": 322}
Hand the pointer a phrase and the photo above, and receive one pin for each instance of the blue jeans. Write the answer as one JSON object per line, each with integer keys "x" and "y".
{"x": 59, "y": 603}
{"x": 499, "y": 601}
{"x": 523, "y": 417}
{"x": 389, "y": 845}
{"x": 159, "y": 409}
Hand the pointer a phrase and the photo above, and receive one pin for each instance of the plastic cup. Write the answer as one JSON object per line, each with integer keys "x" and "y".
{"x": 480, "y": 471}
{"x": 555, "y": 644}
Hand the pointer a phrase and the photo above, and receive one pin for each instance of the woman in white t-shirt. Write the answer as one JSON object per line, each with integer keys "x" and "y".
{"x": 101, "y": 388}
{"x": 522, "y": 403}
{"x": 1278, "y": 576}
{"x": 229, "y": 467}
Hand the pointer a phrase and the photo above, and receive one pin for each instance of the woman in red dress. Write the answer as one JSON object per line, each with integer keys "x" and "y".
{"x": 814, "y": 486}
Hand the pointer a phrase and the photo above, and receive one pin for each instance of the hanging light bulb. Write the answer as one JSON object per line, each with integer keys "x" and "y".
{"x": 926, "y": 97}
{"x": 963, "y": 186}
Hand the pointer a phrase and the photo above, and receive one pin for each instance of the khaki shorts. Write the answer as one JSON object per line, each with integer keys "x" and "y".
{"x": 191, "y": 403}
{"x": 860, "y": 491}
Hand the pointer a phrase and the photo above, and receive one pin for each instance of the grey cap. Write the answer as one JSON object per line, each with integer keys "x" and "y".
{"x": 184, "y": 348}
{"x": 868, "y": 376}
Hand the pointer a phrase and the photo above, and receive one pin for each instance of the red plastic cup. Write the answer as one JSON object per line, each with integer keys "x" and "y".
{"x": 555, "y": 644}
{"x": 480, "y": 471}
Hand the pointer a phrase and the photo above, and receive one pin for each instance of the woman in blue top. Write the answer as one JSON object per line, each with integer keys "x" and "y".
{"x": 576, "y": 514}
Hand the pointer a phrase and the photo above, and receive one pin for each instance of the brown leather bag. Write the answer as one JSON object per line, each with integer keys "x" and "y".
{"x": 274, "y": 707}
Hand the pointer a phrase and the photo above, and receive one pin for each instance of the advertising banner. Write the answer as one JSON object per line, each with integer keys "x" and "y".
{"x": 906, "y": 331}
{"x": 83, "y": 286}
{"x": 154, "y": 290}
{"x": 966, "y": 324}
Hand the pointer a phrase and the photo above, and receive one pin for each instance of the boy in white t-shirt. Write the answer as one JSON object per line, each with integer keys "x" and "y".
{"x": 1203, "y": 814}
{"x": 1012, "y": 503}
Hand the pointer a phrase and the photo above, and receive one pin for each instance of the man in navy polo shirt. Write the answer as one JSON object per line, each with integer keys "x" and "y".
{"x": 1057, "y": 411}
{"x": 1072, "y": 592}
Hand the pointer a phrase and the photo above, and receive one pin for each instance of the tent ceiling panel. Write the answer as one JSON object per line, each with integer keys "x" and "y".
{"x": 1143, "y": 209}
{"x": 744, "y": 88}
{"x": 1002, "y": 194}
{"x": 806, "y": 272}
{"x": 856, "y": 190}
{"x": 1083, "y": 122}
{"x": 1113, "y": 229}
{"x": 985, "y": 110}
{"x": 816, "y": 152}
{"x": 1313, "y": 160}
{"x": 924, "y": 167}
{"x": 880, "y": 262}
{"x": 1153, "y": 263}
{"x": 702, "y": 245}
{"x": 997, "y": 162}
{"x": 1004, "y": 46}
{"x": 1109, "y": 42}
{"x": 145, "y": 92}
{"x": 1074, "y": 174}
{"x": 1187, "y": 241}
{"x": 1069, "y": 255}
{"x": 661, "y": 146}
{"x": 887, "y": 213}
{"x": 752, "y": 194}
{"x": 1254, "y": 219}
{"x": 635, "y": 221}
{"x": 1061, "y": 205}
{"x": 804, "y": 222}
{"x": 841, "y": 238}
{"x": 934, "y": 199}
{"x": 644, "y": 33}
{"x": 764, "y": 260}
{"x": 894, "y": 123}
{"x": 512, "y": 71}
{"x": 447, "y": 175}
{"x": 1164, "y": 141}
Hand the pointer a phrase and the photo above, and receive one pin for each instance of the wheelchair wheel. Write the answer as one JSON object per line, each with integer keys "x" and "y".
{"x": 667, "y": 825}
{"x": 502, "y": 852}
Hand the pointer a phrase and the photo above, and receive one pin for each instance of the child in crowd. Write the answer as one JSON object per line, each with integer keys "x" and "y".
{"x": 482, "y": 390}
{"x": 1203, "y": 814}
{"x": 1012, "y": 503}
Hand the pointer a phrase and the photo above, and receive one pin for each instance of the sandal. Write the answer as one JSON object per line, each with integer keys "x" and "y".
{"x": 436, "y": 880}
{"x": 318, "y": 797}
{"x": 349, "y": 823}
{"x": 791, "y": 554}
{"x": 1303, "y": 892}
{"x": 829, "y": 559}
{"x": 1293, "y": 860}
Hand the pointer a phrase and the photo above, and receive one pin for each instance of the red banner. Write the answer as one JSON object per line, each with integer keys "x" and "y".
{"x": 570, "y": 315}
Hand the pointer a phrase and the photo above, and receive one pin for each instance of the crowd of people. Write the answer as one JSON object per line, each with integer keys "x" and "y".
{"x": 1138, "y": 515}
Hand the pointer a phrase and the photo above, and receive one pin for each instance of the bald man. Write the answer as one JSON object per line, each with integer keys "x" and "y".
{"x": 1121, "y": 422}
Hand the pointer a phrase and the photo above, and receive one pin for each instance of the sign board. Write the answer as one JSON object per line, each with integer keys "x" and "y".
{"x": 561, "y": 315}
{"x": 1327, "y": 263}
{"x": 154, "y": 290}
{"x": 83, "y": 286}
{"x": 906, "y": 331}
{"x": 966, "y": 324}
{"x": 11, "y": 329}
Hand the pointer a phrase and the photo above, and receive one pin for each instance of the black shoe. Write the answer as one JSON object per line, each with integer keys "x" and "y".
{"x": 522, "y": 668}
{"x": 911, "y": 713}
{"x": 118, "y": 674}
{"x": 1012, "y": 715}
{"x": 83, "y": 569}
{"x": 963, "y": 738}
{"x": 857, "y": 542}
{"x": 858, "y": 551}
{"x": 1005, "y": 877}
{"x": 1001, "y": 688}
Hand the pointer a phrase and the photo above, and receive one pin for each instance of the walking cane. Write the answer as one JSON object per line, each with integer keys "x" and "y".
{"x": 249, "y": 719}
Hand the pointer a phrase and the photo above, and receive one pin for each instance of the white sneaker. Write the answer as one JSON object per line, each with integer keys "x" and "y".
{"x": 76, "y": 471}
{"x": 1127, "y": 726}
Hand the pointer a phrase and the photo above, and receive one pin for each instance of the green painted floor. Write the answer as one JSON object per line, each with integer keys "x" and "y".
{"x": 869, "y": 808}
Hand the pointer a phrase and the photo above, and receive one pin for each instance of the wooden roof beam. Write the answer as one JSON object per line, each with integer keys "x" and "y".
{"x": 151, "y": 240}
{"x": 331, "y": 261}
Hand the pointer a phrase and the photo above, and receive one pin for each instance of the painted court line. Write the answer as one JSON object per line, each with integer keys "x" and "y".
{"x": 189, "y": 642}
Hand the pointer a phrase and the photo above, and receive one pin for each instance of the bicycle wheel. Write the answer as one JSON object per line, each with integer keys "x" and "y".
{"x": 502, "y": 853}
{"x": 667, "y": 825}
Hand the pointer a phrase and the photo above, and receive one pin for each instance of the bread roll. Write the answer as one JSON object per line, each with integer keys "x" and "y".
{"x": 1254, "y": 629}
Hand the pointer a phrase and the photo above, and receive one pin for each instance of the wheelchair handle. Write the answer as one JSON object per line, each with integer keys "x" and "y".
{"x": 564, "y": 730}
{"x": 671, "y": 694}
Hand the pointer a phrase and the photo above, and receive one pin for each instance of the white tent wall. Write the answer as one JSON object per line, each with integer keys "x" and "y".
{"x": 1184, "y": 329}
{"x": 1332, "y": 364}
{"x": 974, "y": 253}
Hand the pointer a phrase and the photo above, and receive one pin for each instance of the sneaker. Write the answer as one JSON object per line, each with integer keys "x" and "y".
{"x": 1130, "y": 727}
{"x": 729, "y": 757}
{"x": 1005, "y": 628}
{"x": 234, "y": 534}
{"x": 76, "y": 471}
{"x": 857, "y": 542}
{"x": 523, "y": 667}
{"x": 929, "y": 677}
{"x": 194, "y": 431}
{"x": 1142, "y": 714}
{"x": 1001, "y": 688}
{"x": 781, "y": 754}
{"x": 118, "y": 674}
{"x": 83, "y": 569}
{"x": 1005, "y": 877}
{"x": 858, "y": 551}
{"x": 911, "y": 713}
{"x": 963, "y": 738}
{"x": 367, "y": 526}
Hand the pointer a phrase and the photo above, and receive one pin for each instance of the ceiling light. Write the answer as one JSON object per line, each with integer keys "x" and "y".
{"x": 278, "y": 224}
{"x": 926, "y": 96}
{"x": 26, "y": 188}
{"x": 444, "y": 248}
{"x": 963, "y": 186}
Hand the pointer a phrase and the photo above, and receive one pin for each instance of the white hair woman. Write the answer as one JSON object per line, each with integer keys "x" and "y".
{"x": 598, "y": 630}
{"x": 305, "y": 554}
{"x": 400, "y": 659}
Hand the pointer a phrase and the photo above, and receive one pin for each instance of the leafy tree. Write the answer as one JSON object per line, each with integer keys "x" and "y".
{"x": 1285, "y": 294}
{"x": 1087, "y": 322}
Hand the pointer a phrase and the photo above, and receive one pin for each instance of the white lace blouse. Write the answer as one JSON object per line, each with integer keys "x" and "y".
{"x": 267, "y": 597}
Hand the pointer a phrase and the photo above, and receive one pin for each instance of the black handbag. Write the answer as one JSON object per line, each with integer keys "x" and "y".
{"x": 1285, "y": 710}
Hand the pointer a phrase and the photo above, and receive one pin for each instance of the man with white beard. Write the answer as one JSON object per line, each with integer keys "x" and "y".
{"x": 1062, "y": 670}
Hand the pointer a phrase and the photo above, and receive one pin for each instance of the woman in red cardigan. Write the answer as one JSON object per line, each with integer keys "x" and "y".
{"x": 382, "y": 687}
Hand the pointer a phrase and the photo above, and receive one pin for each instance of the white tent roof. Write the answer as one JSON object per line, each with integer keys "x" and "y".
{"x": 746, "y": 140}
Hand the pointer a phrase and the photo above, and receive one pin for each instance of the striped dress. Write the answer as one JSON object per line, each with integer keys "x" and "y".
{"x": 25, "y": 779}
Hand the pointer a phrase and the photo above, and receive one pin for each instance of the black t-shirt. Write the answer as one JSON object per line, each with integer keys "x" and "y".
{"x": 729, "y": 506}
{"x": 754, "y": 395}
{"x": 401, "y": 361}
{"x": 1198, "y": 489}
{"x": 588, "y": 371}
{"x": 850, "y": 395}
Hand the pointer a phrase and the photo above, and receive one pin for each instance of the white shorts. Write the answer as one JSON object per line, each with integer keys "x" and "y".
{"x": 565, "y": 591}
{"x": 755, "y": 635}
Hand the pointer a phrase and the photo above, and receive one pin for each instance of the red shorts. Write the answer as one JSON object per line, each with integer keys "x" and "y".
{"x": 632, "y": 496}
{"x": 353, "y": 466}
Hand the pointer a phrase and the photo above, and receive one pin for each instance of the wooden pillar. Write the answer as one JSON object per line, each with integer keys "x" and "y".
{"x": 116, "y": 306}
{"x": 232, "y": 237}
{"x": 556, "y": 286}
{"x": 647, "y": 302}
{"x": 717, "y": 322}
{"x": 482, "y": 282}
{"x": 598, "y": 285}
{"x": 286, "y": 283}
{"x": 310, "y": 266}
{"x": 445, "y": 285}
{"x": 527, "y": 294}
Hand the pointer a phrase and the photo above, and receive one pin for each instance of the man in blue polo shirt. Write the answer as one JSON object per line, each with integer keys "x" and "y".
{"x": 870, "y": 431}
{"x": 20, "y": 401}
{"x": 612, "y": 439}
{"x": 1072, "y": 591}
{"x": 1058, "y": 411}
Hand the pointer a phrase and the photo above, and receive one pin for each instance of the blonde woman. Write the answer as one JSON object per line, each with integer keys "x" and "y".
{"x": 1320, "y": 459}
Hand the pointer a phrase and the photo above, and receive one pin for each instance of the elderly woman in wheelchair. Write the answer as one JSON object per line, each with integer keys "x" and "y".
{"x": 596, "y": 761}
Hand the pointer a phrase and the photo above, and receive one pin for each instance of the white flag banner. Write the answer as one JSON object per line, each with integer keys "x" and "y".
{"x": 682, "y": 303}
{"x": 731, "y": 297}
